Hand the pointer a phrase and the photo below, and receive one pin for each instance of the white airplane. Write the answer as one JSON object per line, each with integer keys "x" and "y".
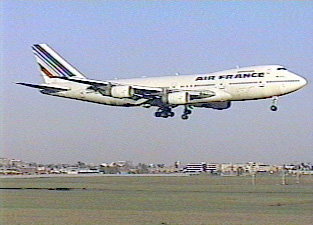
{"x": 215, "y": 90}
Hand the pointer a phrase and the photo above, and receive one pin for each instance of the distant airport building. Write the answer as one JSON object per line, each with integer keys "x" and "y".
{"x": 195, "y": 168}
{"x": 212, "y": 167}
{"x": 16, "y": 167}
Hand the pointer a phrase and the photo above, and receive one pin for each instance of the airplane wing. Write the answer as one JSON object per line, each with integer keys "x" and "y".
{"x": 106, "y": 83}
{"x": 86, "y": 81}
{"x": 45, "y": 87}
{"x": 143, "y": 91}
{"x": 153, "y": 92}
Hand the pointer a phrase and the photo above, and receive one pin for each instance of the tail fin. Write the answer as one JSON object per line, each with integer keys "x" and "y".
{"x": 52, "y": 65}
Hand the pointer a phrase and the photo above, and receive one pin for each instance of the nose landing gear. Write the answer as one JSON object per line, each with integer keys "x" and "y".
{"x": 274, "y": 108}
{"x": 274, "y": 104}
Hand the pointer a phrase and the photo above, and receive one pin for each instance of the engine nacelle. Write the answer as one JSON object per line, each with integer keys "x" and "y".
{"x": 122, "y": 91}
{"x": 178, "y": 98}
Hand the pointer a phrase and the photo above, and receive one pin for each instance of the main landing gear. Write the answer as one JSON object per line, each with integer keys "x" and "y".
{"x": 164, "y": 112}
{"x": 186, "y": 113}
{"x": 274, "y": 103}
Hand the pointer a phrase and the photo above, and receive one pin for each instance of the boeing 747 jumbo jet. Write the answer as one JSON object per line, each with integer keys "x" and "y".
{"x": 215, "y": 90}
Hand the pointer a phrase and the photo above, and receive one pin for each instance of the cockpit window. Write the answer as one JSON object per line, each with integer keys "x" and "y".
{"x": 282, "y": 68}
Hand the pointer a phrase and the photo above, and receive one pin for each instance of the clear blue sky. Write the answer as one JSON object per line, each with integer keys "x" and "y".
{"x": 128, "y": 39}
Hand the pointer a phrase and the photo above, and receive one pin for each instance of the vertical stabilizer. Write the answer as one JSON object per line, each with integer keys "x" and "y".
{"x": 52, "y": 65}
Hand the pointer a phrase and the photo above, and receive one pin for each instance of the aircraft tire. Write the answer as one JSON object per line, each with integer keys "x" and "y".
{"x": 184, "y": 117}
{"x": 158, "y": 114}
{"x": 164, "y": 114}
{"x": 274, "y": 108}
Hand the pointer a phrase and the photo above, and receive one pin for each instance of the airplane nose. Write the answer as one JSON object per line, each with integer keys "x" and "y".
{"x": 303, "y": 81}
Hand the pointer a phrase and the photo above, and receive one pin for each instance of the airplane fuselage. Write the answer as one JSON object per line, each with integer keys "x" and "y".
{"x": 240, "y": 84}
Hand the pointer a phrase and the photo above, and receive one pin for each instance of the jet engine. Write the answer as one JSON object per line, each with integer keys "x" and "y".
{"x": 122, "y": 91}
{"x": 178, "y": 98}
{"x": 184, "y": 97}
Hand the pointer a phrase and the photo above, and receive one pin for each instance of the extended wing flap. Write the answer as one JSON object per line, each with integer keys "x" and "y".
{"x": 45, "y": 87}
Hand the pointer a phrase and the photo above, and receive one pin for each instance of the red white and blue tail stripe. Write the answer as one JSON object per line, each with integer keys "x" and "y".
{"x": 52, "y": 65}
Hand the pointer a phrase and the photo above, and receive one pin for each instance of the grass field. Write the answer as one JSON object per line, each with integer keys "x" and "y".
{"x": 157, "y": 200}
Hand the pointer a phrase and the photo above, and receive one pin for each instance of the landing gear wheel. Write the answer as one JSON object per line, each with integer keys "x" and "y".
{"x": 274, "y": 103}
{"x": 184, "y": 117}
{"x": 274, "y": 108}
{"x": 164, "y": 112}
{"x": 164, "y": 115}
{"x": 186, "y": 112}
{"x": 158, "y": 114}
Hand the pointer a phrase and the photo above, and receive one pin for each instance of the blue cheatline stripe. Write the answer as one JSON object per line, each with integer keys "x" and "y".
{"x": 46, "y": 62}
{"x": 55, "y": 62}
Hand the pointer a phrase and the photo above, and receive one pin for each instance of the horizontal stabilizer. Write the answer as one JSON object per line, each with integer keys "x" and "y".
{"x": 45, "y": 87}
